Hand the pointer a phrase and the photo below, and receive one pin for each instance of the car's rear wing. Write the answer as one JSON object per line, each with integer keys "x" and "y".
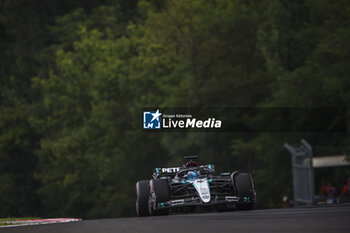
{"x": 190, "y": 158}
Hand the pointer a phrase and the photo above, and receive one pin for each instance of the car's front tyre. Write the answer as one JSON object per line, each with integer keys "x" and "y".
{"x": 142, "y": 193}
{"x": 244, "y": 188}
{"x": 159, "y": 193}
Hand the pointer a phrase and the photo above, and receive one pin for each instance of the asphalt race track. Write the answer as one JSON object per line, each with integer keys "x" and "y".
{"x": 332, "y": 219}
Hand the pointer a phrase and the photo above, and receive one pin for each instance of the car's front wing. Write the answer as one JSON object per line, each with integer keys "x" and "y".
{"x": 196, "y": 201}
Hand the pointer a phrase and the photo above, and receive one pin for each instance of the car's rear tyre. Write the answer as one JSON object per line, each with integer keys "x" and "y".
{"x": 159, "y": 193}
{"x": 142, "y": 194}
{"x": 244, "y": 188}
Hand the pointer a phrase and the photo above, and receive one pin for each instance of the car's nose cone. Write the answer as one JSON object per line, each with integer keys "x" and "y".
{"x": 202, "y": 188}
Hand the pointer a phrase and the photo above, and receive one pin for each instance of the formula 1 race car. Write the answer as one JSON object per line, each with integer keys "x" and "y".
{"x": 182, "y": 189}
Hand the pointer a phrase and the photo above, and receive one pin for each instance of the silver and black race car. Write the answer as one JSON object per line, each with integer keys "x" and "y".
{"x": 190, "y": 186}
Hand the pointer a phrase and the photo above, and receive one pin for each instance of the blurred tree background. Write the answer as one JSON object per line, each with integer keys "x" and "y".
{"x": 75, "y": 74}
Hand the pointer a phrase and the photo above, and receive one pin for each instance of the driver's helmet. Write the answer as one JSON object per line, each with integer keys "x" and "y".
{"x": 191, "y": 175}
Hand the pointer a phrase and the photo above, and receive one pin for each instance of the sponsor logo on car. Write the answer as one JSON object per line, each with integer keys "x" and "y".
{"x": 170, "y": 169}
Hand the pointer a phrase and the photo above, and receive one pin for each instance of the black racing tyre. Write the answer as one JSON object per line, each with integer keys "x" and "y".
{"x": 142, "y": 194}
{"x": 244, "y": 187}
{"x": 159, "y": 192}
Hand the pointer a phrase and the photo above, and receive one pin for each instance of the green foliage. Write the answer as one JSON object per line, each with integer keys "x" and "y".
{"x": 17, "y": 146}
